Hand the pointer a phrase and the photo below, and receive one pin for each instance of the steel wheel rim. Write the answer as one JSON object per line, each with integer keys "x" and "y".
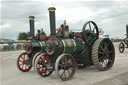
{"x": 41, "y": 67}
{"x": 65, "y": 67}
{"x": 121, "y": 47}
{"x": 21, "y": 62}
{"x": 105, "y": 52}
{"x": 34, "y": 59}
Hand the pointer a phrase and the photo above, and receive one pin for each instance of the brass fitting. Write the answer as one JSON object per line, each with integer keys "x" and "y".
{"x": 52, "y": 9}
{"x": 31, "y": 17}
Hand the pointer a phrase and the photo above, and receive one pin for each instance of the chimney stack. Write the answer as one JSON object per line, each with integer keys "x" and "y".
{"x": 31, "y": 22}
{"x": 127, "y": 30}
{"x": 52, "y": 21}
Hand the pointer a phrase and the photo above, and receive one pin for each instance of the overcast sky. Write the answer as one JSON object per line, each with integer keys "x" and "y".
{"x": 111, "y": 16}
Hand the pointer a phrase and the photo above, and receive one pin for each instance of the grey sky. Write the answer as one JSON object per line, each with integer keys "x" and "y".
{"x": 111, "y": 16}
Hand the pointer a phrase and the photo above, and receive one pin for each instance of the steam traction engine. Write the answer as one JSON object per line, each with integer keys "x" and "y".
{"x": 65, "y": 50}
{"x": 124, "y": 43}
{"x": 34, "y": 45}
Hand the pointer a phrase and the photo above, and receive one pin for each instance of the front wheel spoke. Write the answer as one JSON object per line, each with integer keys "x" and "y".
{"x": 61, "y": 65}
{"x": 69, "y": 72}
{"x": 39, "y": 66}
{"x": 65, "y": 60}
{"x": 62, "y": 61}
{"x": 40, "y": 69}
{"x": 44, "y": 70}
{"x": 21, "y": 65}
{"x": 65, "y": 74}
{"x": 69, "y": 65}
{"x": 62, "y": 73}
{"x": 22, "y": 58}
{"x": 25, "y": 66}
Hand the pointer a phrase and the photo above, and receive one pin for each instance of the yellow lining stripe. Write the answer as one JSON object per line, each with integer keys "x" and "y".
{"x": 74, "y": 45}
{"x": 64, "y": 46}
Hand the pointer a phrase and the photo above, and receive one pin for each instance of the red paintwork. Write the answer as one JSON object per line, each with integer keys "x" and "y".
{"x": 79, "y": 34}
{"x": 36, "y": 56}
{"x": 21, "y": 66}
{"x": 40, "y": 63}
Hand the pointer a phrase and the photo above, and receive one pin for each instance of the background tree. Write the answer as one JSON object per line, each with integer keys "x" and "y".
{"x": 23, "y": 36}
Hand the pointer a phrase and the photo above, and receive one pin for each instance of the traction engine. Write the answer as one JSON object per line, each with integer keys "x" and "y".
{"x": 67, "y": 50}
{"x": 34, "y": 45}
{"x": 124, "y": 44}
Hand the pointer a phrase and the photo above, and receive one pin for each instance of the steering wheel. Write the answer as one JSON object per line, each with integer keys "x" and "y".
{"x": 90, "y": 32}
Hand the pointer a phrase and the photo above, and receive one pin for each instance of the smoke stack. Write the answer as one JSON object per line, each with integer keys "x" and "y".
{"x": 31, "y": 22}
{"x": 52, "y": 21}
{"x": 127, "y": 30}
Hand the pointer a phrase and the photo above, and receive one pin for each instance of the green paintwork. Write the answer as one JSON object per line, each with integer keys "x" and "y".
{"x": 80, "y": 47}
{"x": 70, "y": 46}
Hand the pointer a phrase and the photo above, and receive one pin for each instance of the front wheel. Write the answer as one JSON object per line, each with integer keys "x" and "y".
{"x": 24, "y": 62}
{"x": 43, "y": 66}
{"x": 65, "y": 67}
{"x": 34, "y": 59}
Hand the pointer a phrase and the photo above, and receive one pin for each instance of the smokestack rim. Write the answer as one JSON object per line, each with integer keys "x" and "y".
{"x": 31, "y": 17}
{"x": 52, "y": 9}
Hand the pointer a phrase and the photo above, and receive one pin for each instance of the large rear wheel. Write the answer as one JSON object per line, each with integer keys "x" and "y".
{"x": 103, "y": 54}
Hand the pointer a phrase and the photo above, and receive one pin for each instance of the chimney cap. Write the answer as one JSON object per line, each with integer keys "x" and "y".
{"x": 51, "y": 9}
{"x": 31, "y": 17}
